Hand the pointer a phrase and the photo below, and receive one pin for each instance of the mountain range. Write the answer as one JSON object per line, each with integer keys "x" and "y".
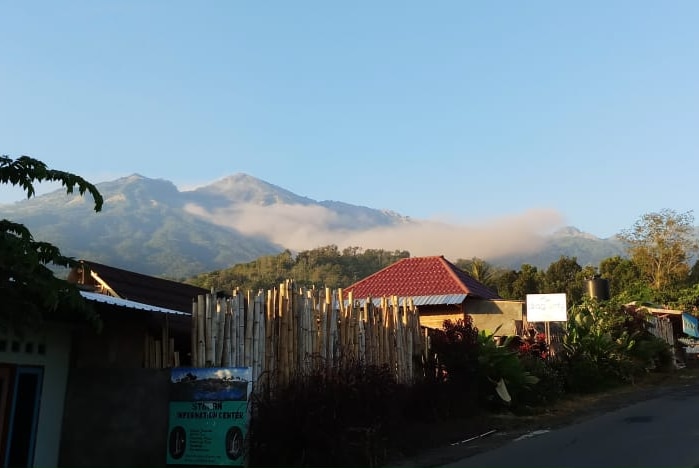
{"x": 150, "y": 226}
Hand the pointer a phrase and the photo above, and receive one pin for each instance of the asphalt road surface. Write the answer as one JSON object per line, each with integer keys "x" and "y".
{"x": 662, "y": 432}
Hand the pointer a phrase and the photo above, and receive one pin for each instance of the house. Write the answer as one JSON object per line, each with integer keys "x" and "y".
{"x": 142, "y": 315}
{"x": 116, "y": 394}
{"x": 64, "y": 387}
{"x": 442, "y": 291}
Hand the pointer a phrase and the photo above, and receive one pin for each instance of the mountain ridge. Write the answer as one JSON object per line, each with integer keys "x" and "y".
{"x": 151, "y": 226}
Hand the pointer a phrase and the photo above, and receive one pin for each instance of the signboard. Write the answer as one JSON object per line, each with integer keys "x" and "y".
{"x": 208, "y": 415}
{"x": 547, "y": 307}
{"x": 690, "y": 325}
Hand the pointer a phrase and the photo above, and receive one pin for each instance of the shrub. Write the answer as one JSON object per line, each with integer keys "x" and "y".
{"x": 607, "y": 344}
{"x": 477, "y": 367}
{"x": 342, "y": 418}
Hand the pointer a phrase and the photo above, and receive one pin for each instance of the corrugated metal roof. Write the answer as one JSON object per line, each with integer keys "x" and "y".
{"x": 420, "y": 277}
{"x": 418, "y": 301}
{"x": 96, "y": 297}
{"x": 142, "y": 288}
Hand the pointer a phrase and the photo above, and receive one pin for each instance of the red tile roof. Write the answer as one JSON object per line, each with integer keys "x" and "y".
{"x": 420, "y": 276}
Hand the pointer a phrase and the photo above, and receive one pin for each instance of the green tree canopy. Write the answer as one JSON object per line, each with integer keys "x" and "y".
{"x": 325, "y": 266}
{"x": 29, "y": 289}
{"x": 661, "y": 244}
{"x": 622, "y": 274}
{"x": 479, "y": 270}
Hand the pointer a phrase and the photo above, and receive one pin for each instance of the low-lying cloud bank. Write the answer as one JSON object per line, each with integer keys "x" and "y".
{"x": 299, "y": 227}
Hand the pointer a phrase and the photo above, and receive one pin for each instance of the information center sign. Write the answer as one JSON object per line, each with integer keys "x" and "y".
{"x": 208, "y": 415}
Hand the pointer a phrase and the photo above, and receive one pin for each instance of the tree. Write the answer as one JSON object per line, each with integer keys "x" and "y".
{"x": 29, "y": 289}
{"x": 566, "y": 276}
{"x": 622, "y": 274}
{"x": 660, "y": 244}
{"x": 504, "y": 284}
{"x": 528, "y": 281}
{"x": 479, "y": 269}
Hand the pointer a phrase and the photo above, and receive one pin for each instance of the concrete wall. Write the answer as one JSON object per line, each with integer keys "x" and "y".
{"x": 55, "y": 343}
{"x": 489, "y": 315}
{"x": 434, "y": 316}
{"x": 115, "y": 418}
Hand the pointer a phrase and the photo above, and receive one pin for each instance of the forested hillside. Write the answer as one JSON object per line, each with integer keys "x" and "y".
{"x": 322, "y": 267}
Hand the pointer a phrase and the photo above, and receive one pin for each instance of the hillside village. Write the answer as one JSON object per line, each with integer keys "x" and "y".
{"x": 320, "y": 332}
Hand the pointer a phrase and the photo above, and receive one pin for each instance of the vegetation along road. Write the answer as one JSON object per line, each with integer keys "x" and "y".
{"x": 662, "y": 431}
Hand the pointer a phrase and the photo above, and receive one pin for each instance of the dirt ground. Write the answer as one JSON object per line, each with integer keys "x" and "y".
{"x": 455, "y": 440}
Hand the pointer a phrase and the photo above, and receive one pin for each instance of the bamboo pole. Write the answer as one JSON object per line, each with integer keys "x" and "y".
{"x": 376, "y": 328}
{"x": 201, "y": 331}
{"x": 209, "y": 332}
{"x": 240, "y": 362}
{"x": 221, "y": 334}
{"x": 262, "y": 325}
{"x": 326, "y": 320}
{"x": 249, "y": 320}
{"x": 227, "y": 341}
{"x": 269, "y": 330}
{"x": 283, "y": 336}
{"x": 308, "y": 331}
{"x": 384, "y": 331}
{"x": 195, "y": 321}
{"x": 296, "y": 308}
{"x": 361, "y": 338}
{"x": 342, "y": 325}
{"x": 400, "y": 338}
{"x": 333, "y": 338}
{"x": 256, "y": 337}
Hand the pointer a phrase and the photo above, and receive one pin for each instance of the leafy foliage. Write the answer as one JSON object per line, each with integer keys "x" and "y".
{"x": 474, "y": 363}
{"x": 622, "y": 275}
{"x": 517, "y": 284}
{"x": 607, "y": 344}
{"x": 25, "y": 172}
{"x": 660, "y": 244}
{"x": 322, "y": 267}
{"x": 29, "y": 289}
{"x": 480, "y": 270}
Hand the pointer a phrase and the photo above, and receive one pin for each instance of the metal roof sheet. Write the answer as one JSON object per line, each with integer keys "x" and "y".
{"x": 437, "y": 299}
{"x": 96, "y": 297}
{"x": 144, "y": 289}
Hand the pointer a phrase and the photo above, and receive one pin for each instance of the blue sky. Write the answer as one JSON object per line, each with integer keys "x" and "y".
{"x": 467, "y": 111}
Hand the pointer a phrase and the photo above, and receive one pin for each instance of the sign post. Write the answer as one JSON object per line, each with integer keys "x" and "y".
{"x": 547, "y": 308}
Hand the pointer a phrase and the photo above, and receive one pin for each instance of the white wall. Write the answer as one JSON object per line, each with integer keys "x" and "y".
{"x": 56, "y": 340}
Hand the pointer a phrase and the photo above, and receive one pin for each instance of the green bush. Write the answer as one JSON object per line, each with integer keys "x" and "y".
{"x": 551, "y": 385}
{"x": 607, "y": 344}
{"x": 476, "y": 367}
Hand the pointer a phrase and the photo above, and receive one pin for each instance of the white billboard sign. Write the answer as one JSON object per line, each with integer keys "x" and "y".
{"x": 546, "y": 307}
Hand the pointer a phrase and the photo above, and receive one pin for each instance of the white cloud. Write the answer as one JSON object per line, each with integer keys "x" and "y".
{"x": 299, "y": 227}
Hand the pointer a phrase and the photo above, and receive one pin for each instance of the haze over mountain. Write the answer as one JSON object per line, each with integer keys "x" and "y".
{"x": 148, "y": 225}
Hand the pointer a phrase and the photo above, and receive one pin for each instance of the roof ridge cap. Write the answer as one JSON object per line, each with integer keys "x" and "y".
{"x": 450, "y": 268}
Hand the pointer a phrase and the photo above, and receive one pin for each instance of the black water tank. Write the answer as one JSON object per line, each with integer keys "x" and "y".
{"x": 598, "y": 288}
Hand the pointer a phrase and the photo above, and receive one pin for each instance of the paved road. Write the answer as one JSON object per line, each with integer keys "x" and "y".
{"x": 663, "y": 432}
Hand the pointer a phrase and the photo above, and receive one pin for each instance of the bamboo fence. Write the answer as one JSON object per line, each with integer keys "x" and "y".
{"x": 160, "y": 353}
{"x": 285, "y": 332}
